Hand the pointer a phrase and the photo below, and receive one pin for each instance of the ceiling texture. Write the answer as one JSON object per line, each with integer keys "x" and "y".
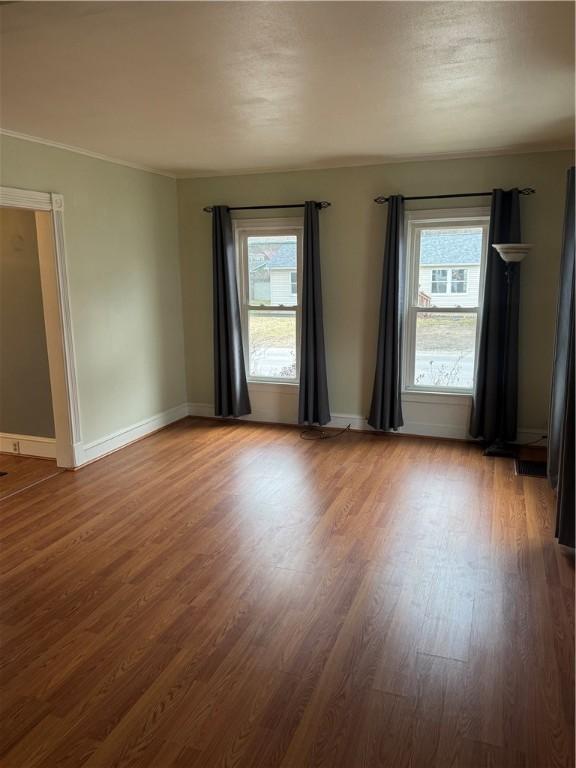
{"x": 209, "y": 88}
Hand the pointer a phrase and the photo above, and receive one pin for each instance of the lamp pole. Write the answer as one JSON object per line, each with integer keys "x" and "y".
{"x": 512, "y": 254}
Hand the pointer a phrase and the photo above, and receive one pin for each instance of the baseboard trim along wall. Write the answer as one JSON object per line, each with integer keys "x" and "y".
{"x": 341, "y": 420}
{"x": 27, "y": 445}
{"x": 88, "y": 452}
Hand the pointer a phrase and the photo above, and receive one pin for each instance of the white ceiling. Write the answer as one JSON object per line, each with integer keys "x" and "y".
{"x": 196, "y": 88}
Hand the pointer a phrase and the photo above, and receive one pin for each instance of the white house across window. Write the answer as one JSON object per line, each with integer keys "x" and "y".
{"x": 269, "y": 258}
{"x": 445, "y": 267}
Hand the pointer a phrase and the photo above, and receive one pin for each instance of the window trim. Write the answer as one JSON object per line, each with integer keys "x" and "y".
{"x": 242, "y": 228}
{"x": 429, "y": 219}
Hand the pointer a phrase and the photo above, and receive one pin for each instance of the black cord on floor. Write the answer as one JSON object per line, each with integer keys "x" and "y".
{"x": 533, "y": 442}
{"x": 320, "y": 434}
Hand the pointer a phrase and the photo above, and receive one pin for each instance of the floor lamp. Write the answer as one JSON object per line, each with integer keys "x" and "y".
{"x": 512, "y": 254}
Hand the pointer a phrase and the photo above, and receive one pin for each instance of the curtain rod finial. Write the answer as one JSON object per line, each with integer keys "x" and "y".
{"x": 324, "y": 204}
{"x": 381, "y": 200}
{"x": 527, "y": 191}
{"x": 208, "y": 209}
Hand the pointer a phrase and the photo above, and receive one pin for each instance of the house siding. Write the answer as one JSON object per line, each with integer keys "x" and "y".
{"x": 468, "y": 299}
{"x": 280, "y": 287}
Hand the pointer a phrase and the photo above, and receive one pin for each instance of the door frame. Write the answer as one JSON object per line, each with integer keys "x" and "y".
{"x": 49, "y": 214}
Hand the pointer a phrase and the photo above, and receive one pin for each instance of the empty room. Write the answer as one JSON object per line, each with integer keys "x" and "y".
{"x": 287, "y": 384}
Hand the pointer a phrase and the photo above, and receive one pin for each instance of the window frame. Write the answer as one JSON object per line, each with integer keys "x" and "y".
{"x": 243, "y": 229}
{"x": 415, "y": 222}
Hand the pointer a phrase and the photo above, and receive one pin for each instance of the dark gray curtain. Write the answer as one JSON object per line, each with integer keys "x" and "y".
{"x": 565, "y": 504}
{"x": 386, "y": 407}
{"x": 313, "y": 407}
{"x": 230, "y": 388}
{"x": 494, "y": 410}
{"x": 559, "y": 392}
{"x": 561, "y": 420}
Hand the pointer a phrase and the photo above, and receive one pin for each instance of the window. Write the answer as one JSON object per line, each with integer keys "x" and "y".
{"x": 445, "y": 267}
{"x": 269, "y": 258}
{"x": 439, "y": 280}
{"x": 459, "y": 281}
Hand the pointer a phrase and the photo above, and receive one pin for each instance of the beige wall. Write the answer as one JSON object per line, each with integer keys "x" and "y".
{"x": 352, "y": 235}
{"x": 127, "y": 283}
{"x": 122, "y": 246}
{"x": 25, "y": 397}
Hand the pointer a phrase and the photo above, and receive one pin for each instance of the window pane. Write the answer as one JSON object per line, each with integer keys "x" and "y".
{"x": 459, "y": 280}
{"x": 272, "y": 344}
{"x": 272, "y": 259}
{"x": 439, "y": 281}
{"x": 445, "y": 349}
{"x": 449, "y": 267}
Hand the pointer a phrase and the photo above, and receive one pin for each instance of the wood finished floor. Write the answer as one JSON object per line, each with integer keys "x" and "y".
{"x": 231, "y": 595}
{"x": 23, "y": 471}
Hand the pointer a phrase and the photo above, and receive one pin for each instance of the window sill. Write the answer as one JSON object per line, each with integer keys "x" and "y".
{"x": 283, "y": 387}
{"x": 429, "y": 396}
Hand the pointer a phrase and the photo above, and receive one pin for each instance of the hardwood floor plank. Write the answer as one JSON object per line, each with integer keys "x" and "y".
{"x": 475, "y": 754}
{"x": 385, "y": 735}
{"x": 23, "y": 472}
{"x": 439, "y": 723}
{"x": 19, "y": 717}
{"x": 70, "y": 753}
{"x": 225, "y": 594}
{"x": 448, "y": 617}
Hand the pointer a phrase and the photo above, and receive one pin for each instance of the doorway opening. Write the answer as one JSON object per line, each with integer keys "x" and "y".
{"x": 39, "y": 414}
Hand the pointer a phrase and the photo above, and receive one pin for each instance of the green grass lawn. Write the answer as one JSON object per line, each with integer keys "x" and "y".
{"x": 435, "y": 332}
{"x": 277, "y": 330}
{"x": 452, "y": 333}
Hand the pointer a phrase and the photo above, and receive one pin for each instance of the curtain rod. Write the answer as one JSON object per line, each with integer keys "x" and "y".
{"x": 381, "y": 200}
{"x": 321, "y": 204}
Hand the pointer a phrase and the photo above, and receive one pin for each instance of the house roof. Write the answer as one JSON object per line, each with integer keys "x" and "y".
{"x": 274, "y": 255}
{"x": 435, "y": 248}
{"x": 438, "y": 247}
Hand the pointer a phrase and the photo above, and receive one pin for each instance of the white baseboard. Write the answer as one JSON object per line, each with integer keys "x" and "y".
{"x": 201, "y": 409}
{"x": 206, "y": 410}
{"x": 338, "y": 421}
{"x": 42, "y": 447}
{"x": 104, "y": 445}
{"x": 410, "y": 427}
{"x": 341, "y": 420}
{"x": 45, "y": 447}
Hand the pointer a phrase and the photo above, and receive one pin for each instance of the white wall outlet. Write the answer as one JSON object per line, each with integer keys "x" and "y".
{"x": 15, "y": 446}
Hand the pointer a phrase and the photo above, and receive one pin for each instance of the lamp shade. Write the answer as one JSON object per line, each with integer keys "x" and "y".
{"x": 511, "y": 252}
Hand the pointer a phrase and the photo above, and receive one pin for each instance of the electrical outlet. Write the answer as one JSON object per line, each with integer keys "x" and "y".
{"x": 15, "y": 446}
